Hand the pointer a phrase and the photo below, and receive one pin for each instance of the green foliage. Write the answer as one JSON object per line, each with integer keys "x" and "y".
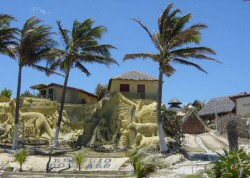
{"x": 6, "y": 92}
{"x": 21, "y": 157}
{"x": 27, "y": 93}
{"x": 79, "y": 158}
{"x": 232, "y": 164}
{"x": 172, "y": 125}
{"x": 143, "y": 169}
{"x": 143, "y": 164}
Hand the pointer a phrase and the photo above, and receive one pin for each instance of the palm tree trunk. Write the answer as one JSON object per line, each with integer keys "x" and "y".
{"x": 163, "y": 145}
{"x": 15, "y": 141}
{"x": 56, "y": 143}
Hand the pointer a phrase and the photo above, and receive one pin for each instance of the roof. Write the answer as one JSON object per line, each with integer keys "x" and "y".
{"x": 42, "y": 86}
{"x": 174, "y": 101}
{"x": 191, "y": 111}
{"x": 217, "y": 105}
{"x": 133, "y": 75}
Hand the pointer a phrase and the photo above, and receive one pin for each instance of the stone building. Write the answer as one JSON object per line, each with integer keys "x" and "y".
{"x": 134, "y": 85}
{"x": 192, "y": 123}
{"x": 53, "y": 91}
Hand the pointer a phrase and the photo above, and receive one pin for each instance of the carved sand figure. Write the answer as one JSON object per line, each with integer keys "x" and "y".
{"x": 101, "y": 134}
{"x": 232, "y": 134}
{"x": 37, "y": 119}
{"x": 144, "y": 110}
{"x": 146, "y": 129}
{"x": 124, "y": 139}
{"x": 141, "y": 140}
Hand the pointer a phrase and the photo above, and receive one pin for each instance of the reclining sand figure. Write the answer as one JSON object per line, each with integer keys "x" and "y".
{"x": 37, "y": 119}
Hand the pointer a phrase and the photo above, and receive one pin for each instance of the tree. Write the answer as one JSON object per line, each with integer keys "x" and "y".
{"x": 171, "y": 42}
{"x": 8, "y": 35}
{"x": 81, "y": 46}
{"x": 79, "y": 158}
{"x": 34, "y": 45}
{"x": 100, "y": 91}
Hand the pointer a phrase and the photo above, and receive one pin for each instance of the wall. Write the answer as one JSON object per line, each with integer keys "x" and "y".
{"x": 73, "y": 96}
{"x": 243, "y": 106}
{"x": 193, "y": 125}
{"x": 151, "y": 88}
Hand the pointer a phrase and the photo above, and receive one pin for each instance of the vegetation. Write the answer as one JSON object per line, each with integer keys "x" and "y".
{"x": 21, "y": 157}
{"x": 6, "y": 92}
{"x": 172, "y": 41}
{"x": 34, "y": 45}
{"x": 232, "y": 164}
{"x": 172, "y": 125}
{"x": 142, "y": 163}
{"x": 27, "y": 93}
{"x": 81, "y": 46}
{"x": 100, "y": 91}
{"x": 79, "y": 158}
{"x": 7, "y": 35}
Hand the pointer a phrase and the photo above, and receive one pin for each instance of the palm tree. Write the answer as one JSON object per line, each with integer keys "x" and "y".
{"x": 81, "y": 45}
{"x": 34, "y": 45}
{"x": 7, "y": 35}
{"x": 171, "y": 42}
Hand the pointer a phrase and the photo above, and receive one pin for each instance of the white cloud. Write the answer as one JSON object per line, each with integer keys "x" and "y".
{"x": 38, "y": 10}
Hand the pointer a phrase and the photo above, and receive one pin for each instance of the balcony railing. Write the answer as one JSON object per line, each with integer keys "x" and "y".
{"x": 134, "y": 95}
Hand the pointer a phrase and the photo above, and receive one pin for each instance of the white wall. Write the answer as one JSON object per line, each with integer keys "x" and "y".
{"x": 243, "y": 105}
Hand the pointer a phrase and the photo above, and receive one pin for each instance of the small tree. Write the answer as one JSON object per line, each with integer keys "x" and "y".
{"x": 6, "y": 92}
{"x": 79, "y": 158}
{"x": 21, "y": 157}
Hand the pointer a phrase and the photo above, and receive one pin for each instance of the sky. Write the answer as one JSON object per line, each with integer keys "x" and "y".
{"x": 228, "y": 33}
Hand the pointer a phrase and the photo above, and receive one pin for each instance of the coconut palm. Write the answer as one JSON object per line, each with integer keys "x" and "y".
{"x": 34, "y": 45}
{"x": 81, "y": 46}
{"x": 7, "y": 35}
{"x": 172, "y": 42}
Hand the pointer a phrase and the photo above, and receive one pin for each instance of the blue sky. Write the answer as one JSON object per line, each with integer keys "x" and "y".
{"x": 228, "y": 34}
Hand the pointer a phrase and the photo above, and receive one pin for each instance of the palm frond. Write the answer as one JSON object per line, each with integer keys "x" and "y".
{"x": 153, "y": 56}
{"x": 64, "y": 34}
{"x": 152, "y": 37}
{"x": 194, "y": 52}
{"x": 188, "y": 63}
{"x": 46, "y": 70}
{"x": 82, "y": 68}
{"x": 5, "y": 20}
{"x": 168, "y": 69}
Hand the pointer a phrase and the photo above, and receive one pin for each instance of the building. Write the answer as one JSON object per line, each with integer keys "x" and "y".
{"x": 175, "y": 106}
{"x": 134, "y": 85}
{"x": 53, "y": 91}
{"x": 238, "y": 104}
{"x": 192, "y": 123}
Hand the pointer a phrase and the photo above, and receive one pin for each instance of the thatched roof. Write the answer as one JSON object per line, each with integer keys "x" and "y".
{"x": 217, "y": 105}
{"x": 174, "y": 101}
{"x": 135, "y": 75}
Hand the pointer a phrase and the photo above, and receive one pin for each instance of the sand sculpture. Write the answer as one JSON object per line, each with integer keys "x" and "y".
{"x": 117, "y": 121}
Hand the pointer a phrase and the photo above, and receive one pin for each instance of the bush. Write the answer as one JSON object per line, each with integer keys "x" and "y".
{"x": 27, "y": 93}
{"x": 6, "y": 92}
{"x": 21, "y": 157}
{"x": 79, "y": 158}
{"x": 232, "y": 164}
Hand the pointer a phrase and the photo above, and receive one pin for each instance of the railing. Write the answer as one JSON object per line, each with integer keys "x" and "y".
{"x": 134, "y": 95}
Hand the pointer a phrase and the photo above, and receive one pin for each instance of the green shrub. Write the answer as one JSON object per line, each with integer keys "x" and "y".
{"x": 79, "y": 158}
{"x": 6, "y": 92}
{"x": 27, "y": 93}
{"x": 232, "y": 164}
{"x": 21, "y": 157}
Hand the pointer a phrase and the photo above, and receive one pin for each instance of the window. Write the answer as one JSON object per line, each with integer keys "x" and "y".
{"x": 43, "y": 93}
{"x": 124, "y": 87}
